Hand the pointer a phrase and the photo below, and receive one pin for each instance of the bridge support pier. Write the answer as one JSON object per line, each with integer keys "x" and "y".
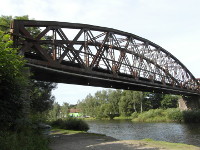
{"x": 189, "y": 103}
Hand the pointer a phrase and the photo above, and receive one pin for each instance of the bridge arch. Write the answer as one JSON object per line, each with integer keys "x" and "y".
{"x": 92, "y": 55}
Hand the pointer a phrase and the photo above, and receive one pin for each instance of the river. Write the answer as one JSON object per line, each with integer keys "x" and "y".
{"x": 128, "y": 130}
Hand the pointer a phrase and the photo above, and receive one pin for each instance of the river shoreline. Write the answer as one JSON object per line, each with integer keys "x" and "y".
{"x": 128, "y": 130}
{"x": 91, "y": 141}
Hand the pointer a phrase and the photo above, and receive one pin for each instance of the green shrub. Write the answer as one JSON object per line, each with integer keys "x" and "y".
{"x": 153, "y": 115}
{"x": 174, "y": 114}
{"x": 134, "y": 115}
{"x": 168, "y": 115}
{"x": 59, "y": 123}
{"x": 159, "y": 115}
{"x": 71, "y": 124}
{"x": 191, "y": 116}
{"x": 25, "y": 140}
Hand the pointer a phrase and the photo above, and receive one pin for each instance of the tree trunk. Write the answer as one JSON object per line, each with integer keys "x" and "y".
{"x": 134, "y": 107}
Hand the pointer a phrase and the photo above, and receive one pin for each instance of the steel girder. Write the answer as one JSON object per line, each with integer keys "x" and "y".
{"x": 102, "y": 52}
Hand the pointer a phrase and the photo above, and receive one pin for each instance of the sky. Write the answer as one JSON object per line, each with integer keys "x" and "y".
{"x": 172, "y": 24}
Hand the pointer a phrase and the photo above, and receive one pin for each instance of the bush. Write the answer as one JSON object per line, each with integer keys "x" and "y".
{"x": 174, "y": 114}
{"x": 159, "y": 115}
{"x": 59, "y": 123}
{"x": 134, "y": 115}
{"x": 25, "y": 140}
{"x": 191, "y": 116}
{"x": 71, "y": 124}
{"x": 153, "y": 115}
{"x": 168, "y": 115}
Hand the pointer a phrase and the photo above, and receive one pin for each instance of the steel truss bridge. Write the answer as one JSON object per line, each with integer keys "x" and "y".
{"x": 98, "y": 56}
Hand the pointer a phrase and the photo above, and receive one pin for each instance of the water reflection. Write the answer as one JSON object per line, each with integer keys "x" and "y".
{"x": 127, "y": 130}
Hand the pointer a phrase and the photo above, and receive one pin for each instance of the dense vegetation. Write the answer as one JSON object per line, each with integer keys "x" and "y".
{"x": 58, "y": 117}
{"x": 24, "y": 102}
{"x": 159, "y": 115}
{"x": 70, "y": 124}
{"x": 59, "y": 111}
{"x": 112, "y": 103}
{"x": 167, "y": 115}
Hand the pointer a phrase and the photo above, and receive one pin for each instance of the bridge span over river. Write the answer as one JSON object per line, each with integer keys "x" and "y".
{"x": 98, "y": 56}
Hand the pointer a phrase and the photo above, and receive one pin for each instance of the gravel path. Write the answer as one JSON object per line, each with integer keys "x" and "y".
{"x": 83, "y": 141}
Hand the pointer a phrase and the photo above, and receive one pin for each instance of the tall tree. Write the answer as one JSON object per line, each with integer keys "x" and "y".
{"x": 64, "y": 110}
{"x": 13, "y": 81}
{"x": 37, "y": 95}
{"x": 169, "y": 101}
{"x": 138, "y": 98}
{"x": 41, "y": 98}
{"x": 114, "y": 98}
{"x": 155, "y": 100}
{"x": 54, "y": 113}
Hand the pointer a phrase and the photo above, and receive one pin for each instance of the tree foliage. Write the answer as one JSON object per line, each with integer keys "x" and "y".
{"x": 41, "y": 98}
{"x": 59, "y": 111}
{"x": 112, "y": 103}
{"x": 19, "y": 96}
{"x": 13, "y": 81}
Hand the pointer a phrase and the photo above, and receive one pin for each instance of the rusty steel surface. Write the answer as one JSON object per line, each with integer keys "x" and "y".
{"x": 98, "y": 56}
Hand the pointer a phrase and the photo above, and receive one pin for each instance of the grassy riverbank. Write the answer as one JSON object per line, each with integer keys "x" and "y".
{"x": 160, "y": 115}
{"x": 149, "y": 143}
{"x": 167, "y": 115}
{"x": 65, "y": 132}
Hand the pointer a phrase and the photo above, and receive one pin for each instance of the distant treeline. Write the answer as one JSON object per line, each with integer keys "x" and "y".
{"x": 112, "y": 103}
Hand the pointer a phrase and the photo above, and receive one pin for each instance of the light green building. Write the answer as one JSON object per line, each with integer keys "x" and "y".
{"x": 75, "y": 113}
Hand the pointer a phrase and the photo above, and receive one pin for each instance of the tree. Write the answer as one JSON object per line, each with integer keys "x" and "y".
{"x": 19, "y": 95}
{"x": 154, "y": 100}
{"x": 138, "y": 97}
{"x": 114, "y": 98}
{"x": 131, "y": 101}
{"x": 54, "y": 113}
{"x": 169, "y": 101}
{"x": 14, "y": 81}
{"x": 126, "y": 103}
{"x": 64, "y": 110}
{"x": 41, "y": 98}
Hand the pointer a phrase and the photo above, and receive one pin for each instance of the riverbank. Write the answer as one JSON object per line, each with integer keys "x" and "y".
{"x": 159, "y": 115}
{"x": 62, "y": 140}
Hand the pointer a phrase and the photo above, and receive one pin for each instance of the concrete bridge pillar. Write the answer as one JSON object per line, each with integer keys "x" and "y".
{"x": 189, "y": 102}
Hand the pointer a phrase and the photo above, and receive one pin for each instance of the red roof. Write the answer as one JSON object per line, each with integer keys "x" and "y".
{"x": 72, "y": 110}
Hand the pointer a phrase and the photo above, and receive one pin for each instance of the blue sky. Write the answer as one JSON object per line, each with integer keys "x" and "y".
{"x": 172, "y": 24}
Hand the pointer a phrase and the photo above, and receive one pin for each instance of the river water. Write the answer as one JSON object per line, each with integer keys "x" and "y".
{"x": 128, "y": 130}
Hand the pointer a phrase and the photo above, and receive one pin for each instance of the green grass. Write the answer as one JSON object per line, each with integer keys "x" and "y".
{"x": 63, "y": 131}
{"x": 69, "y": 132}
{"x": 123, "y": 118}
{"x": 169, "y": 146}
{"x": 115, "y": 118}
{"x": 89, "y": 118}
